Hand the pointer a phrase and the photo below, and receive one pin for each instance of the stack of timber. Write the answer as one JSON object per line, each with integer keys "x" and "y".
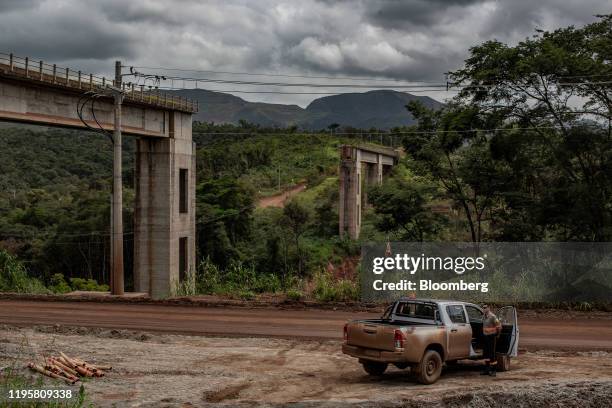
{"x": 68, "y": 369}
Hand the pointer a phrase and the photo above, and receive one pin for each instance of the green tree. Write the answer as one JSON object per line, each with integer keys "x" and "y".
{"x": 296, "y": 218}
{"x": 402, "y": 209}
{"x": 223, "y": 219}
{"x": 554, "y": 89}
{"x": 454, "y": 152}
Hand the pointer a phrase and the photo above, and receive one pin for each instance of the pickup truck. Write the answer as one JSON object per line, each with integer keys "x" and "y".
{"x": 423, "y": 334}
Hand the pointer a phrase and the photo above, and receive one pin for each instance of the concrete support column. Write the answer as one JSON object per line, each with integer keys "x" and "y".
{"x": 164, "y": 212}
{"x": 369, "y": 160}
{"x": 350, "y": 192}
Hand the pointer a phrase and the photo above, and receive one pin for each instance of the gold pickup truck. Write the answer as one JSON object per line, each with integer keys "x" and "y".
{"x": 423, "y": 334}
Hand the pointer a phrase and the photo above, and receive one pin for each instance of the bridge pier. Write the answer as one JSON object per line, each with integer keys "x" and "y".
{"x": 353, "y": 195}
{"x": 164, "y": 209}
{"x": 350, "y": 191}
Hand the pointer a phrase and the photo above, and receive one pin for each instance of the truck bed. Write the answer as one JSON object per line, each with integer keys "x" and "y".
{"x": 377, "y": 334}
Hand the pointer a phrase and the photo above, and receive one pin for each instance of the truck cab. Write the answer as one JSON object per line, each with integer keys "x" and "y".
{"x": 424, "y": 334}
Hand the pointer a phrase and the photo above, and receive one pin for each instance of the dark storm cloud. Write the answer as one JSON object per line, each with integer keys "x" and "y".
{"x": 398, "y": 14}
{"x": 409, "y": 40}
{"x": 423, "y": 39}
{"x": 61, "y": 32}
{"x": 12, "y": 5}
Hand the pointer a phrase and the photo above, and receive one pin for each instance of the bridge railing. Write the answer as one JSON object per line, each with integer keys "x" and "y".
{"x": 50, "y": 73}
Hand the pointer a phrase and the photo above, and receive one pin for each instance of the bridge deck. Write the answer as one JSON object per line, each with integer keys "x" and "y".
{"x": 40, "y": 73}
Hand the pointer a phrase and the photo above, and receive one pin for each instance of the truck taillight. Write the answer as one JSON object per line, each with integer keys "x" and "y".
{"x": 346, "y": 332}
{"x": 399, "y": 339}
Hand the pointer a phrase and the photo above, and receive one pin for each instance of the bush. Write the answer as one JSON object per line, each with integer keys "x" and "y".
{"x": 246, "y": 294}
{"x": 59, "y": 284}
{"x": 88, "y": 285}
{"x": 14, "y": 276}
{"x": 295, "y": 295}
{"x": 238, "y": 278}
{"x": 185, "y": 288}
{"x": 208, "y": 277}
{"x": 326, "y": 289}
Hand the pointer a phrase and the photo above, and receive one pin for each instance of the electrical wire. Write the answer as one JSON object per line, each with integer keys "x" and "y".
{"x": 446, "y": 85}
{"x": 586, "y": 76}
{"x": 273, "y": 75}
{"x": 93, "y": 114}
{"x": 304, "y": 85}
{"x": 408, "y": 132}
{"x": 348, "y": 78}
{"x": 167, "y": 88}
{"x": 81, "y": 103}
{"x": 46, "y": 235}
{"x": 214, "y": 219}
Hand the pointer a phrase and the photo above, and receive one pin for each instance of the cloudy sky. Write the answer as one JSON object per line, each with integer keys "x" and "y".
{"x": 409, "y": 40}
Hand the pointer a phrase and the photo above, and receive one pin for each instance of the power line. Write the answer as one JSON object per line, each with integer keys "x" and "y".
{"x": 169, "y": 88}
{"x": 81, "y": 103}
{"x": 444, "y": 85}
{"x": 348, "y": 78}
{"x": 220, "y": 217}
{"x": 458, "y": 85}
{"x": 301, "y": 85}
{"x": 51, "y": 235}
{"x": 437, "y": 88}
{"x": 586, "y": 76}
{"x": 390, "y": 133}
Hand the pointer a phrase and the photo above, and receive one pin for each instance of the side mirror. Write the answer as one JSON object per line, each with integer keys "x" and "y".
{"x": 437, "y": 317}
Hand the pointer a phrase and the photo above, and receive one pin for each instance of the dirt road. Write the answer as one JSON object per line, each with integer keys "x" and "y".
{"x": 279, "y": 200}
{"x": 162, "y": 370}
{"x": 535, "y": 333}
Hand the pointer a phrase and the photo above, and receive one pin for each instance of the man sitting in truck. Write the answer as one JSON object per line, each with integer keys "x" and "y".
{"x": 491, "y": 328}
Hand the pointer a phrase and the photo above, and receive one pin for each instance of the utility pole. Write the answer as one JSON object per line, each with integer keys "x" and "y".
{"x": 117, "y": 284}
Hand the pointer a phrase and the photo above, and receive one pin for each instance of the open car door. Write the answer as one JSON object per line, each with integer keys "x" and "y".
{"x": 508, "y": 340}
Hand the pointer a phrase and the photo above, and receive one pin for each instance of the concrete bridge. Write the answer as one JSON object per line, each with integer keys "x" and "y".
{"x": 164, "y": 216}
{"x": 360, "y": 167}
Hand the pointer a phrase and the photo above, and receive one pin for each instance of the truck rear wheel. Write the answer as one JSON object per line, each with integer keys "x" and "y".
{"x": 429, "y": 369}
{"x": 503, "y": 362}
{"x": 374, "y": 367}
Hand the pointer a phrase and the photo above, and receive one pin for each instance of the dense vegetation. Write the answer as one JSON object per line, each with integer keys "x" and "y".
{"x": 54, "y": 208}
{"x": 523, "y": 153}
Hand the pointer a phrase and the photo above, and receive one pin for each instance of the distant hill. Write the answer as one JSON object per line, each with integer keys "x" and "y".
{"x": 378, "y": 109}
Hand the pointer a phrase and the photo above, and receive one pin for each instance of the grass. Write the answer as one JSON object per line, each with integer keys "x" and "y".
{"x": 238, "y": 279}
{"x": 327, "y": 289}
{"x": 14, "y": 276}
{"x": 11, "y": 380}
{"x": 14, "y": 378}
{"x": 310, "y": 195}
{"x": 59, "y": 284}
{"x": 295, "y": 295}
{"x": 244, "y": 282}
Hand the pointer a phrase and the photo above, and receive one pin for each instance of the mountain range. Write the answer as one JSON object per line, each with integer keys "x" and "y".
{"x": 381, "y": 109}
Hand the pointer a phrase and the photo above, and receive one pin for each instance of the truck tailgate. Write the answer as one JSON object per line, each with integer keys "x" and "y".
{"x": 371, "y": 335}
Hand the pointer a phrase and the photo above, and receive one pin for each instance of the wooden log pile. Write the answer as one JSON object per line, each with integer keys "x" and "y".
{"x": 68, "y": 369}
